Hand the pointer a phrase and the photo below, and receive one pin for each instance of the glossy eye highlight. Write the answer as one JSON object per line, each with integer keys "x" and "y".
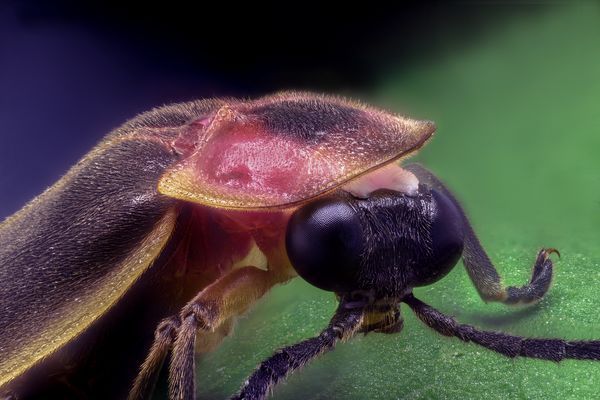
{"x": 324, "y": 241}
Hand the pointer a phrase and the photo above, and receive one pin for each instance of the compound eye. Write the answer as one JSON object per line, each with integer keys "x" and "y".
{"x": 324, "y": 242}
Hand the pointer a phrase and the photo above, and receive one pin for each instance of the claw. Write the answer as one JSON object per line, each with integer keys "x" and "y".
{"x": 551, "y": 250}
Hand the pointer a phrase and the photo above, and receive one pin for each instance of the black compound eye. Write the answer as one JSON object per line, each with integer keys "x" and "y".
{"x": 324, "y": 242}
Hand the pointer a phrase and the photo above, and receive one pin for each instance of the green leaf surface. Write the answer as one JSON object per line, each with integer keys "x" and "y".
{"x": 518, "y": 114}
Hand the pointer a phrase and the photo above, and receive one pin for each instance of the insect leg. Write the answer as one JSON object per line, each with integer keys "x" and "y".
{"x": 164, "y": 336}
{"x": 478, "y": 264}
{"x": 229, "y": 296}
{"x": 508, "y": 345}
{"x": 342, "y": 326}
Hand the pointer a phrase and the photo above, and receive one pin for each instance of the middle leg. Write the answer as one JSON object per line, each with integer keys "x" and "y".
{"x": 229, "y": 296}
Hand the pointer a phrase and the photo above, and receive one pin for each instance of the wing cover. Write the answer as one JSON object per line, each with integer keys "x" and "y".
{"x": 73, "y": 251}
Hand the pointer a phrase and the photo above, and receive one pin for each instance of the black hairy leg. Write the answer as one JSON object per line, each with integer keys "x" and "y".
{"x": 342, "y": 326}
{"x": 480, "y": 268}
{"x": 505, "y": 344}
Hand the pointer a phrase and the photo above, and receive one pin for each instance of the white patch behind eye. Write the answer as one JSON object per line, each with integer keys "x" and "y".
{"x": 254, "y": 258}
{"x": 391, "y": 176}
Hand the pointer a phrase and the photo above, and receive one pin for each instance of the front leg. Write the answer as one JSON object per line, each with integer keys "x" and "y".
{"x": 480, "y": 268}
{"x": 229, "y": 296}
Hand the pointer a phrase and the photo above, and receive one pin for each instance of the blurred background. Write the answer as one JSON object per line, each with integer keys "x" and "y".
{"x": 513, "y": 87}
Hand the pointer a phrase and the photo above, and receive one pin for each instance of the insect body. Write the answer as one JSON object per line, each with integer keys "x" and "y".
{"x": 187, "y": 199}
{"x": 182, "y": 218}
